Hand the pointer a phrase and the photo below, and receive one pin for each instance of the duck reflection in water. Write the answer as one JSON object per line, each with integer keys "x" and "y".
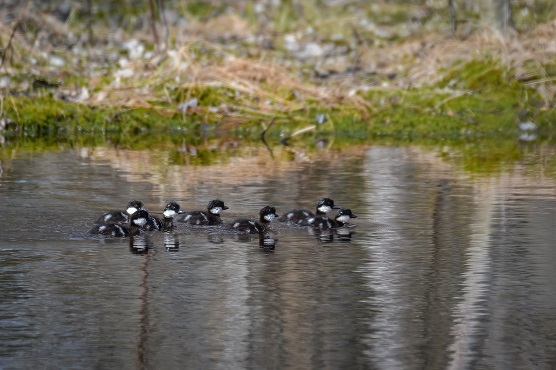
{"x": 171, "y": 241}
{"x": 215, "y": 238}
{"x": 267, "y": 243}
{"x": 344, "y": 234}
{"x": 325, "y": 236}
{"x": 140, "y": 244}
{"x": 341, "y": 234}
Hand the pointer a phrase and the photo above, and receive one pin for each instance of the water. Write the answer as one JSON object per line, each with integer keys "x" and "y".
{"x": 444, "y": 269}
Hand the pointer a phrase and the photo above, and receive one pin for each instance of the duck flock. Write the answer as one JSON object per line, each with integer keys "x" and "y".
{"x": 136, "y": 219}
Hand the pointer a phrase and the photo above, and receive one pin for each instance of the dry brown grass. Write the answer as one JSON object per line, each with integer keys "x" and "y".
{"x": 260, "y": 88}
{"x": 264, "y": 87}
{"x": 423, "y": 62}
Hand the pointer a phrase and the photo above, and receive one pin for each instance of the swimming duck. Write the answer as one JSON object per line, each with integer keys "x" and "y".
{"x": 245, "y": 226}
{"x": 167, "y": 221}
{"x": 120, "y": 217}
{"x": 300, "y": 216}
{"x": 137, "y": 221}
{"x": 324, "y": 223}
{"x": 111, "y": 230}
{"x": 209, "y": 217}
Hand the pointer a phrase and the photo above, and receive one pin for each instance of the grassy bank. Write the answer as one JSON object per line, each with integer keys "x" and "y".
{"x": 302, "y": 73}
{"x": 449, "y": 109}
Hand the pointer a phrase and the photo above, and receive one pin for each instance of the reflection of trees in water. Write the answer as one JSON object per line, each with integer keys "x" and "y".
{"x": 171, "y": 241}
{"x": 472, "y": 284}
{"x": 467, "y": 329}
{"x": 141, "y": 245}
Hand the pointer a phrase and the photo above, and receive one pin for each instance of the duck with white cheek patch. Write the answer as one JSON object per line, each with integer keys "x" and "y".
{"x": 299, "y": 217}
{"x": 110, "y": 230}
{"x": 209, "y": 217}
{"x": 166, "y": 223}
{"x": 138, "y": 221}
{"x": 343, "y": 216}
{"x": 246, "y": 226}
{"x": 172, "y": 209}
{"x": 120, "y": 217}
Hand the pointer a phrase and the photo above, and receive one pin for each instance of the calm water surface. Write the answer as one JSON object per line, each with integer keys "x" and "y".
{"x": 443, "y": 270}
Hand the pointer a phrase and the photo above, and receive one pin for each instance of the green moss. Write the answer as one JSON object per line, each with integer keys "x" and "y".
{"x": 477, "y": 99}
{"x": 480, "y": 75}
{"x": 202, "y": 9}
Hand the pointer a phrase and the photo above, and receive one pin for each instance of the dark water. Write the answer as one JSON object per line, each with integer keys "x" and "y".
{"x": 444, "y": 269}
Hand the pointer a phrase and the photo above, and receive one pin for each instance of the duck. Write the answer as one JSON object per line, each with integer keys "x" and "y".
{"x": 246, "y": 226}
{"x": 137, "y": 221}
{"x": 143, "y": 220}
{"x": 140, "y": 219}
{"x": 300, "y": 216}
{"x": 120, "y": 217}
{"x": 167, "y": 222}
{"x": 209, "y": 217}
{"x": 110, "y": 230}
{"x": 324, "y": 223}
{"x": 155, "y": 223}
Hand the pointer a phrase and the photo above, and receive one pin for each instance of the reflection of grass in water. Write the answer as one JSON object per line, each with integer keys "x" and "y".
{"x": 481, "y": 155}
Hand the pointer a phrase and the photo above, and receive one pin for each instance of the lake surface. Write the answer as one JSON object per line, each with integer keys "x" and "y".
{"x": 444, "y": 269}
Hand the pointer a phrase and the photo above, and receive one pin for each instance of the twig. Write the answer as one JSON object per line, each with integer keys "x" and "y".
{"x": 284, "y": 141}
{"x": 89, "y": 23}
{"x": 162, "y": 16}
{"x": 263, "y": 136}
{"x": 330, "y": 142}
{"x": 9, "y": 45}
{"x": 453, "y": 23}
{"x": 15, "y": 109}
{"x": 153, "y": 24}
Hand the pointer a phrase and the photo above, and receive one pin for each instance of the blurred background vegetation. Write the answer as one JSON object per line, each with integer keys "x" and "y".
{"x": 293, "y": 70}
